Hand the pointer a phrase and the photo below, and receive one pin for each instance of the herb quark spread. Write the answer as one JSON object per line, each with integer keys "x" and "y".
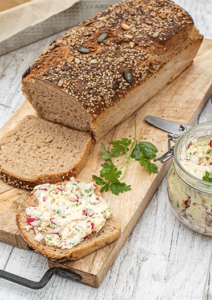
{"x": 67, "y": 213}
{"x": 192, "y": 205}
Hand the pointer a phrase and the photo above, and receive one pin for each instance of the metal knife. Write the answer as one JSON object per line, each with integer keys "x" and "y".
{"x": 174, "y": 129}
{"x": 166, "y": 125}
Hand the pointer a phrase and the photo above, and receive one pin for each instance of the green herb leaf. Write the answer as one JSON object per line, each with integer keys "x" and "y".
{"x": 207, "y": 177}
{"x": 148, "y": 150}
{"x": 105, "y": 188}
{"x": 98, "y": 180}
{"x": 209, "y": 151}
{"x": 120, "y": 146}
{"x": 137, "y": 153}
{"x": 110, "y": 172}
{"x": 148, "y": 165}
{"x": 119, "y": 187}
{"x": 106, "y": 153}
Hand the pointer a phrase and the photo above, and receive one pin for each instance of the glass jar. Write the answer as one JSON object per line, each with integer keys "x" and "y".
{"x": 191, "y": 197}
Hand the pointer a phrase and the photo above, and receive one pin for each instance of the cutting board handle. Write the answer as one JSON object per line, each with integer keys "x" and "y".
{"x": 44, "y": 280}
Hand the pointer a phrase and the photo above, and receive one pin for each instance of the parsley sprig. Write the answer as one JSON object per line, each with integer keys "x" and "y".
{"x": 110, "y": 175}
{"x": 207, "y": 177}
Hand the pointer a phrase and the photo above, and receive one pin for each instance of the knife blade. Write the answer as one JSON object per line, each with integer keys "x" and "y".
{"x": 165, "y": 125}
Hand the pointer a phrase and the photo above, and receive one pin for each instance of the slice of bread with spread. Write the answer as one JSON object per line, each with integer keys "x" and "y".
{"x": 67, "y": 221}
{"x": 37, "y": 151}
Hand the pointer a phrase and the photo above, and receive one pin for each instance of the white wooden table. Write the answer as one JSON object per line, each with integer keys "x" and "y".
{"x": 162, "y": 259}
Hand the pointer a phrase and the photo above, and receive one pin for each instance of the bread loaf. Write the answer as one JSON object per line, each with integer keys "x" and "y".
{"x": 37, "y": 151}
{"x": 101, "y": 71}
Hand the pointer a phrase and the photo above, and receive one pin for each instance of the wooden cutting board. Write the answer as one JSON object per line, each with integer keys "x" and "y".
{"x": 181, "y": 101}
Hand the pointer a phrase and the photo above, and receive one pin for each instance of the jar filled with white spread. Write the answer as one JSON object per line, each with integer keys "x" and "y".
{"x": 190, "y": 178}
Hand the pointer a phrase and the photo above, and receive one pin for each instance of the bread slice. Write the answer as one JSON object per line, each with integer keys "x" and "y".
{"x": 37, "y": 151}
{"x": 108, "y": 233}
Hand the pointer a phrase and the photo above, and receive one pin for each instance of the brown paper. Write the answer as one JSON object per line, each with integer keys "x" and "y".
{"x": 4, "y": 5}
{"x": 28, "y": 14}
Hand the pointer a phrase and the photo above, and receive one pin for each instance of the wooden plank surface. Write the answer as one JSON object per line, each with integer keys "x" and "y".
{"x": 141, "y": 270}
{"x": 181, "y": 101}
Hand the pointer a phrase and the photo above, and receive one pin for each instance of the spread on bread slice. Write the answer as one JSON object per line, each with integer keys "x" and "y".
{"x": 61, "y": 219}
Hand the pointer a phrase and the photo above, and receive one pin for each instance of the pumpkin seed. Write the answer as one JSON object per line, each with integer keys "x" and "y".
{"x": 128, "y": 76}
{"x": 102, "y": 37}
{"x": 83, "y": 50}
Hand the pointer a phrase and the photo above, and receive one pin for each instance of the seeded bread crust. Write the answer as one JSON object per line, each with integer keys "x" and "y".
{"x": 109, "y": 233}
{"x": 28, "y": 183}
{"x": 142, "y": 37}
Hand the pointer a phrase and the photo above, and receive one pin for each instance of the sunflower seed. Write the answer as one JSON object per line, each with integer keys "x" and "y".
{"x": 155, "y": 34}
{"x": 133, "y": 29}
{"x": 128, "y": 36}
{"x": 102, "y": 18}
{"x": 132, "y": 44}
{"x": 83, "y": 50}
{"x": 93, "y": 61}
{"x": 128, "y": 76}
{"x": 102, "y": 37}
{"x": 125, "y": 26}
{"x": 77, "y": 60}
{"x": 60, "y": 83}
{"x": 121, "y": 59}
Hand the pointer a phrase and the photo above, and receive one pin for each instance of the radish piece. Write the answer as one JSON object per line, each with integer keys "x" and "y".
{"x": 30, "y": 220}
{"x": 38, "y": 237}
{"x": 194, "y": 160}
{"x": 61, "y": 232}
{"x": 77, "y": 180}
{"x": 56, "y": 230}
{"x": 35, "y": 229}
{"x": 55, "y": 221}
{"x": 36, "y": 223}
{"x": 92, "y": 225}
{"x": 38, "y": 193}
{"x": 84, "y": 212}
{"x": 28, "y": 211}
{"x": 59, "y": 189}
{"x": 97, "y": 198}
{"x": 64, "y": 246}
{"x": 73, "y": 198}
{"x": 91, "y": 212}
{"x": 48, "y": 205}
{"x": 87, "y": 236}
{"x": 45, "y": 198}
{"x": 211, "y": 143}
